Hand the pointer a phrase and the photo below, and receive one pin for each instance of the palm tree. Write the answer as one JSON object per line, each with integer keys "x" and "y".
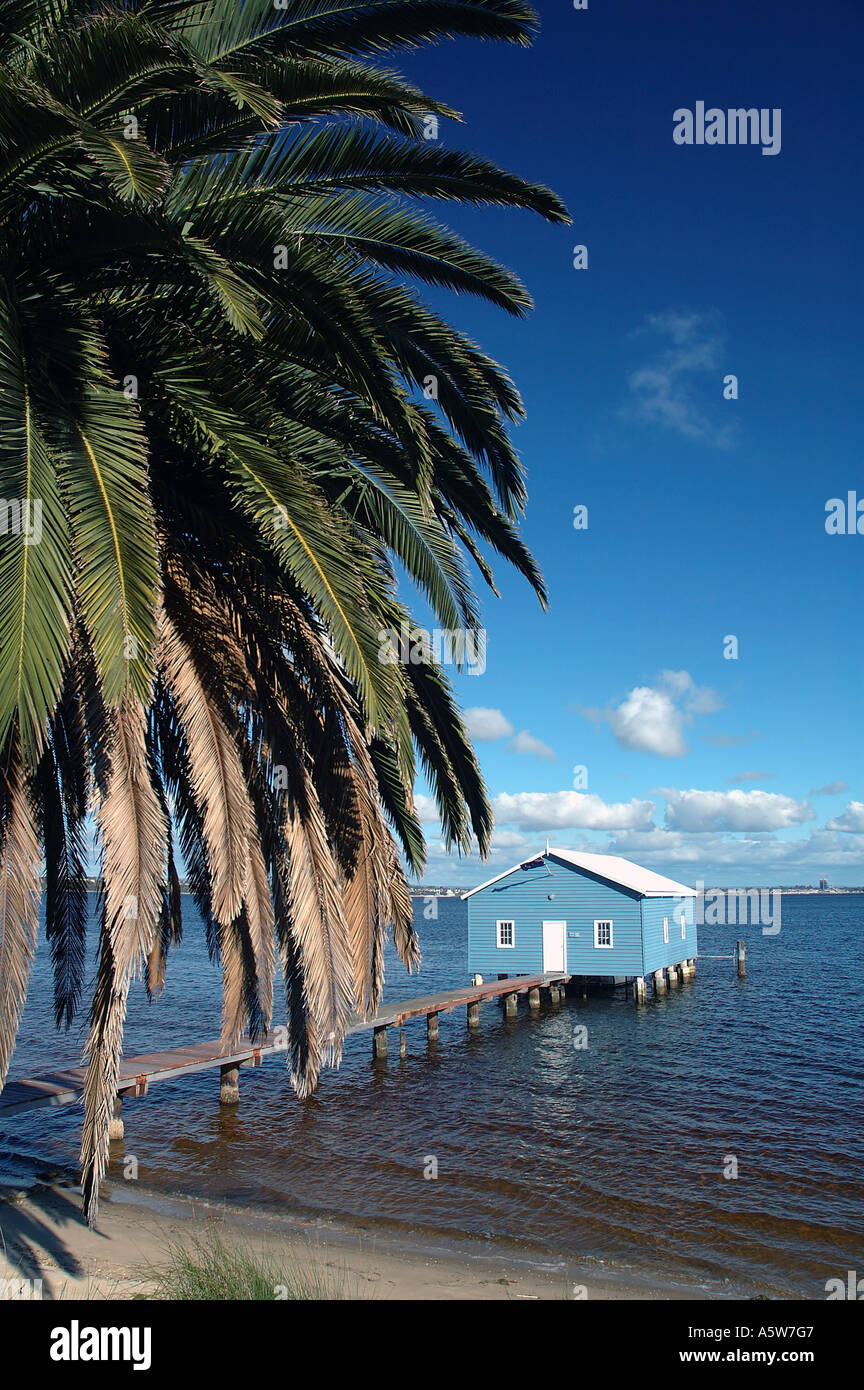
{"x": 239, "y": 424}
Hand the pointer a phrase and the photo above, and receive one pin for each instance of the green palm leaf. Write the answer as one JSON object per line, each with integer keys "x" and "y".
{"x": 104, "y": 477}
{"x": 35, "y": 557}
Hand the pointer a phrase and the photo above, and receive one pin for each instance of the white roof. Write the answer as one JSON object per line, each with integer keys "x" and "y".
{"x": 609, "y": 866}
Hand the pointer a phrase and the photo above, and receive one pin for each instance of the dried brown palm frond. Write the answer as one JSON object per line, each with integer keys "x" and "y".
{"x": 19, "y": 903}
{"x": 217, "y": 776}
{"x": 133, "y": 829}
{"x": 319, "y": 926}
{"x": 258, "y": 903}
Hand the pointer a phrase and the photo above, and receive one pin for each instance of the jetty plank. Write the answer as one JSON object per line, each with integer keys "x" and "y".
{"x": 67, "y": 1087}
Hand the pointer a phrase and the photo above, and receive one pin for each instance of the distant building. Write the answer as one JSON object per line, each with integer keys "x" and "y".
{"x": 584, "y": 914}
{"x": 823, "y": 883}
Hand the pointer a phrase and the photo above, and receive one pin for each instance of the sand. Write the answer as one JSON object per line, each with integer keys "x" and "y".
{"x": 43, "y": 1235}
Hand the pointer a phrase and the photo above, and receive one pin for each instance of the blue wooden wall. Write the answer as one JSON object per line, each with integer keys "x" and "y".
{"x": 657, "y": 953}
{"x": 578, "y": 899}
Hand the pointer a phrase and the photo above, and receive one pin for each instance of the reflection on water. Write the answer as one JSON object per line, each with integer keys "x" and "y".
{"x": 614, "y": 1152}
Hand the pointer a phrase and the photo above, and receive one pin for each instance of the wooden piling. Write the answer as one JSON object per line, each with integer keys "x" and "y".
{"x": 659, "y": 983}
{"x": 473, "y": 1014}
{"x": 116, "y": 1129}
{"x": 136, "y": 1073}
{"x": 229, "y": 1084}
{"x": 639, "y": 991}
{"x": 534, "y": 999}
{"x": 741, "y": 958}
{"x": 554, "y": 995}
{"x": 403, "y": 1042}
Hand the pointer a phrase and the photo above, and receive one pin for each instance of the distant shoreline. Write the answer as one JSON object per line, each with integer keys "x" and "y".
{"x": 797, "y": 890}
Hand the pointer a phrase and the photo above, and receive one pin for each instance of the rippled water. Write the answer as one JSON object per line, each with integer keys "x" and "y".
{"x": 611, "y": 1153}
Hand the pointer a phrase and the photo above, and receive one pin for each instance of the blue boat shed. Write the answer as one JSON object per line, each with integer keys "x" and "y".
{"x": 594, "y": 915}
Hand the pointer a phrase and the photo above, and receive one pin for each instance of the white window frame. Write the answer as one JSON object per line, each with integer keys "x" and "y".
{"x": 604, "y": 945}
{"x": 683, "y": 928}
{"x": 666, "y": 931}
{"x": 506, "y": 945}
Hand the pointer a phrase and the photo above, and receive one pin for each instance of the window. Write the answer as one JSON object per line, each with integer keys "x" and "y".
{"x": 666, "y": 930}
{"x": 683, "y": 927}
{"x": 603, "y": 934}
{"x": 505, "y": 934}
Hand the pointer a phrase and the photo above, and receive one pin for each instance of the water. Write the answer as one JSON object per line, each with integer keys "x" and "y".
{"x": 611, "y": 1155}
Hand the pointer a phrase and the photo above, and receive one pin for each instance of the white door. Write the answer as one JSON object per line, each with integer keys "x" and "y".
{"x": 554, "y": 946}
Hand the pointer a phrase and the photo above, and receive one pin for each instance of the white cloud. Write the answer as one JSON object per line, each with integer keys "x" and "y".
{"x": 742, "y": 860}
{"x": 487, "y": 724}
{"x": 830, "y": 789}
{"x": 696, "y": 699}
{"x": 668, "y": 389}
{"x": 508, "y": 839}
{"x": 851, "y": 821}
{"x": 736, "y": 810}
{"x": 426, "y": 808}
{"x": 752, "y": 775}
{"x": 653, "y": 718}
{"x": 525, "y": 742}
{"x": 560, "y": 810}
{"x": 649, "y": 721}
{"x": 714, "y": 857}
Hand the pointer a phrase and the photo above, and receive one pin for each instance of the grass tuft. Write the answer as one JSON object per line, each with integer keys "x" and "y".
{"x": 209, "y": 1268}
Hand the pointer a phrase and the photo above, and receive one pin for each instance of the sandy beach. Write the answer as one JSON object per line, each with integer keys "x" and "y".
{"x": 43, "y": 1235}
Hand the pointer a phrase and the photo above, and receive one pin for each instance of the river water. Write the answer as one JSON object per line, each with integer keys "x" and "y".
{"x": 616, "y": 1155}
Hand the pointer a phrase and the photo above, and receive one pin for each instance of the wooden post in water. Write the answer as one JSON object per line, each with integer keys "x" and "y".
{"x": 229, "y": 1084}
{"x": 659, "y": 983}
{"x": 639, "y": 992}
{"x": 741, "y": 957}
{"x": 432, "y": 1028}
{"x": 554, "y": 994}
{"x": 674, "y": 977}
{"x": 403, "y": 1042}
{"x": 379, "y": 1042}
{"x": 511, "y": 1005}
{"x": 473, "y": 1013}
{"x": 534, "y": 999}
{"x": 116, "y": 1128}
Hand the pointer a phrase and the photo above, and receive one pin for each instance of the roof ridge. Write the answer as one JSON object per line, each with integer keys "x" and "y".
{"x": 653, "y": 884}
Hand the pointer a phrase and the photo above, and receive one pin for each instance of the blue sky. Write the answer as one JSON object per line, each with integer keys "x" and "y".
{"x": 706, "y": 517}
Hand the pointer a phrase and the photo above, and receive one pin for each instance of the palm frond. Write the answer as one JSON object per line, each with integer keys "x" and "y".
{"x": 19, "y": 900}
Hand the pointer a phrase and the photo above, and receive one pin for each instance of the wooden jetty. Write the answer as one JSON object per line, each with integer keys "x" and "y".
{"x": 137, "y": 1074}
